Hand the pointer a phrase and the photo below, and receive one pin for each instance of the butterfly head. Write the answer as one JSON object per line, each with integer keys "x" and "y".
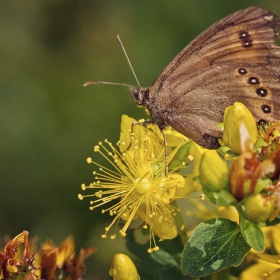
{"x": 140, "y": 95}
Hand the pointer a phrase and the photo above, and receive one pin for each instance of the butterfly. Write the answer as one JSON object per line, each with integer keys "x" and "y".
{"x": 235, "y": 59}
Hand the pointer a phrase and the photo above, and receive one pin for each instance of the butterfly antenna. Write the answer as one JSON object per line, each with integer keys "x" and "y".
{"x": 120, "y": 42}
{"x": 107, "y": 83}
{"x": 117, "y": 84}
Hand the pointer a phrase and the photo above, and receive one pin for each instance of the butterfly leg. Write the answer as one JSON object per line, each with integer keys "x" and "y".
{"x": 165, "y": 152}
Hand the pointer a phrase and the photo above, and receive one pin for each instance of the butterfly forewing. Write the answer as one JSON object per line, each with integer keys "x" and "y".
{"x": 235, "y": 59}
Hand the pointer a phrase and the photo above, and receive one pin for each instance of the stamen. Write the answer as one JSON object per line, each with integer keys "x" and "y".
{"x": 137, "y": 179}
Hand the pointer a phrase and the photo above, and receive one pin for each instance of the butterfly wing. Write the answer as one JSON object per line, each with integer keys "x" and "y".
{"x": 235, "y": 59}
{"x": 198, "y": 110}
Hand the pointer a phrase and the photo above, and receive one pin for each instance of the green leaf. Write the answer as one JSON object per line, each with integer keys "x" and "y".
{"x": 214, "y": 245}
{"x": 253, "y": 234}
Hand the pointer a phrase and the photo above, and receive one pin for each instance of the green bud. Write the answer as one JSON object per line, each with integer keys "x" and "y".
{"x": 213, "y": 172}
{"x": 233, "y": 135}
{"x": 258, "y": 208}
{"x": 122, "y": 268}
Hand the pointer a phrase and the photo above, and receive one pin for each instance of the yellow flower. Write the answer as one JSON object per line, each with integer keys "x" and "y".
{"x": 138, "y": 184}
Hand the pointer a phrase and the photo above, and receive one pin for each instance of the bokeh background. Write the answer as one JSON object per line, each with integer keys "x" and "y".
{"x": 49, "y": 123}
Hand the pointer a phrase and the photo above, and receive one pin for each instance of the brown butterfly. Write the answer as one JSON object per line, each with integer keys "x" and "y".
{"x": 235, "y": 59}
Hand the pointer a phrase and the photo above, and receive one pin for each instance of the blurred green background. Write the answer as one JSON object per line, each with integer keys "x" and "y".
{"x": 49, "y": 123}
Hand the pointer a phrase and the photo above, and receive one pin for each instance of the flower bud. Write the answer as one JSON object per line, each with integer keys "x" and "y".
{"x": 213, "y": 172}
{"x": 233, "y": 136}
{"x": 245, "y": 172}
{"x": 258, "y": 207}
{"x": 122, "y": 268}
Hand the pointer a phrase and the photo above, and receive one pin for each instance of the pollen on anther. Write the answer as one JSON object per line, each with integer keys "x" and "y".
{"x": 103, "y": 235}
{"x": 150, "y": 250}
{"x": 89, "y": 160}
{"x": 96, "y": 148}
{"x": 227, "y": 157}
{"x": 83, "y": 187}
{"x": 190, "y": 158}
{"x": 113, "y": 236}
{"x": 80, "y": 197}
{"x": 123, "y": 234}
{"x": 98, "y": 194}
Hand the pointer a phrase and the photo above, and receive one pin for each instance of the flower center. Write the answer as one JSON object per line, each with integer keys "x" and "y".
{"x": 141, "y": 185}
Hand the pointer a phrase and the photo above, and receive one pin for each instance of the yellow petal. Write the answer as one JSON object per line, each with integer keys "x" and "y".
{"x": 196, "y": 152}
{"x": 66, "y": 251}
{"x": 190, "y": 186}
{"x": 162, "y": 224}
{"x": 126, "y": 125}
{"x": 270, "y": 258}
{"x": 173, "y": 138}
{"x": 256, "y": 271}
